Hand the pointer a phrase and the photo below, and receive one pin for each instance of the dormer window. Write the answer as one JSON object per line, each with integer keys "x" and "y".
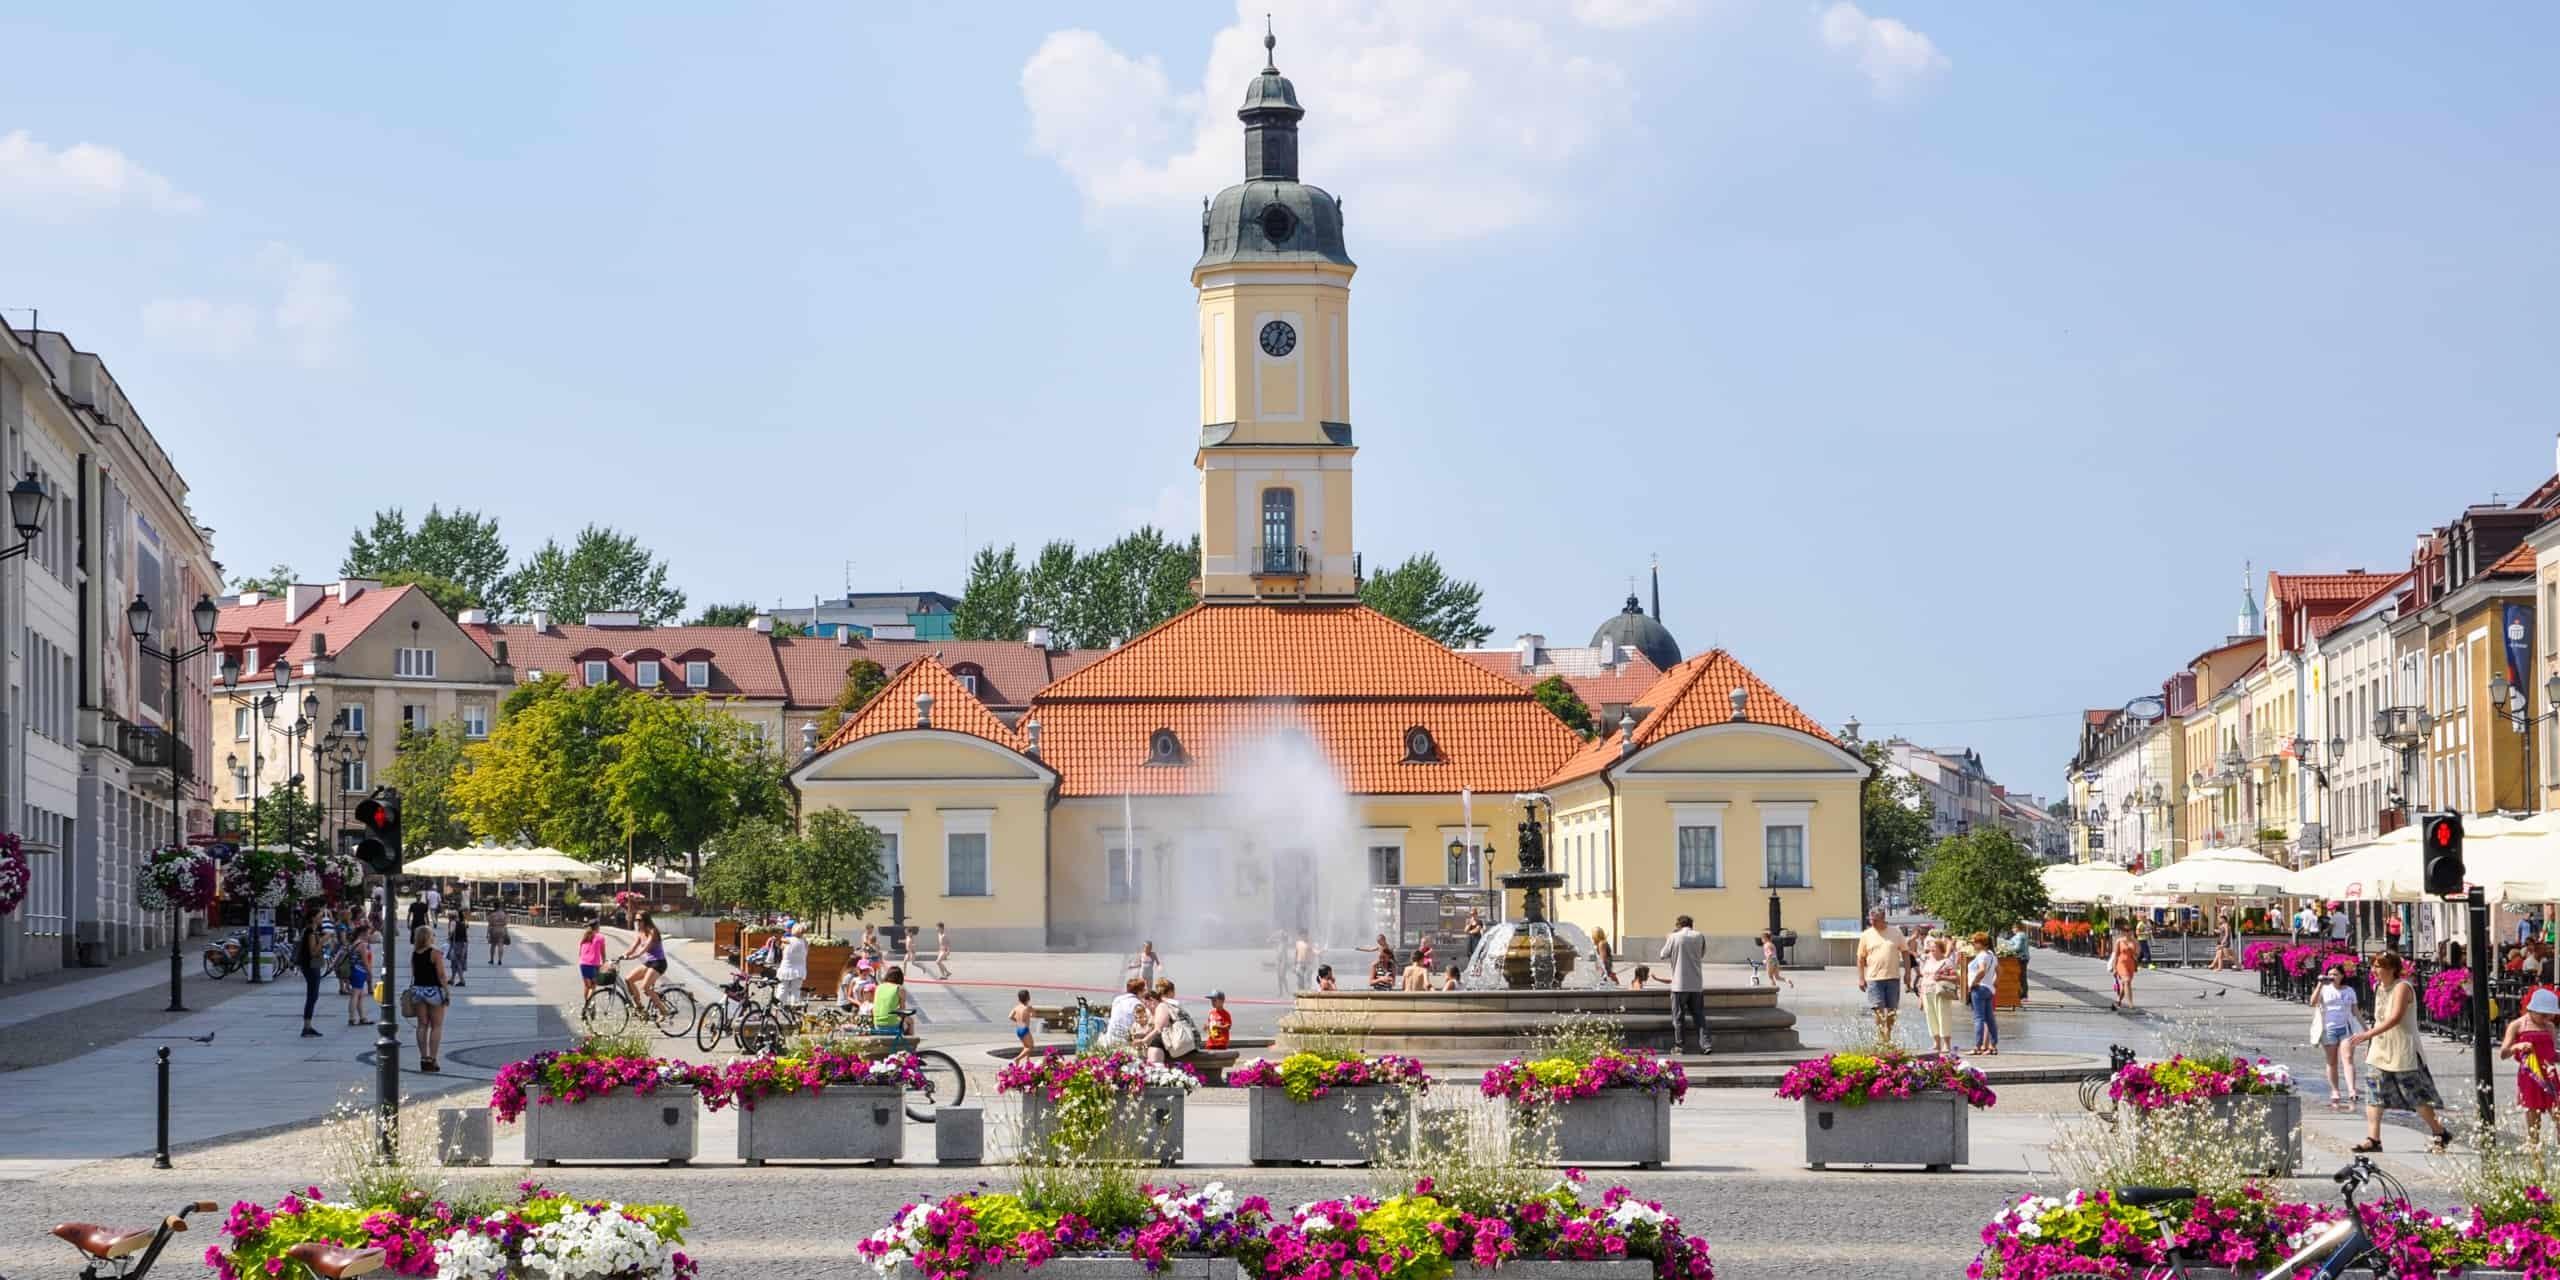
{"x": 594, "y": 671}
{"x": 697, "y": 675}
{"x": 1164, "y": 748}
{"x": 249, "y": 658}
{"x": 645, "y": 673}
{"x": 1419, "y": 748}
{"x": 967, "y": 675}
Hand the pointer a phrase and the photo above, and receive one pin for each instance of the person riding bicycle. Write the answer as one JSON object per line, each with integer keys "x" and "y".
{"x": 890, "y": 1011}
{"x": 652, "y": 950}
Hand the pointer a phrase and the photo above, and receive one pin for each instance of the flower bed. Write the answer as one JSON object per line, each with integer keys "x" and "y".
{"x": 1413, "y": 1236}
{"x": 1059, "y": 1077}
{"x": 2149, "y": 1086}
{"x": 2304, "y": 959}
{"x": 576, "y": 1075}
{"x": 2448, "y": 994}
{"x": 14, "y": 874}
{"x": 2089, "y": 1232}
{"x": 1306, "y": 1077}
{"x": 1099, "y": 1104}
{"x": 2423, "y": 1245}
{"x": 1549, "y": 1080}
{"x": 2262, "y": 955}
{"x": 537, "y": 1234}
{"x": 176, "y": 878}
{"x": 1853, "y": 1079}
{"x": 747, "y": 1081}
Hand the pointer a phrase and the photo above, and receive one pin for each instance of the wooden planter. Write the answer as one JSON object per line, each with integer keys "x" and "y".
{"x": 1615, "y": 1126}
{"x": 1155, "y": 1115}
{"x": 748, "y": 940}
{"x": 2012, "y": 989}
{"x": 842, "y": 1122}
{"x": 826, "y": 969}
{"x": 1932, "y": 1131}
{"x": 724, "y": 935}
{"x": 1347, "y": 1124}
{"x": 623, "y": 1126}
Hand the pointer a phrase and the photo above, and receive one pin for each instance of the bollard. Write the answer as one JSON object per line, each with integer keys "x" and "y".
{"x": 959, "y": 1136}
{"x": 160, "y": 1157}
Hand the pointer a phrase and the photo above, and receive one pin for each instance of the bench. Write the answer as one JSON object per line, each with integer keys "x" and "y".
{"x": 1212, "y": 1064}
{"x": 1056, "y": 1017}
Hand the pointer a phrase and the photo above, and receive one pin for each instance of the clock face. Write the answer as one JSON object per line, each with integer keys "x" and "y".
{"x": 1278, "y": 339}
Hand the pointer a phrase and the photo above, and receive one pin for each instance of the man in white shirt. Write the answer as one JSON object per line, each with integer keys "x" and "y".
{"x": 1686, "y": 949}
{"x": 791, "y": 964}
{"x": 1124, "y": 1013}
{"x": 434, "y": 897}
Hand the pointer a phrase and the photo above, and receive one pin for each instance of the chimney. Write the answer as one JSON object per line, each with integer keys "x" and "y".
{"x": 808, "y": 738}
{"x": 761, "y": 622}
{"x": 844, "y": 636}
{"x": 1657, "y": 588}
{"x": 1529, "y": 644}
{"x": 614, "y": 618}
{"x": 1031, "y": 738}
{"x": 299, "y": 597}
{"x": 924, "y": 710}
{"x": 502, "y": 653}
{"x": 247, "y": 598}
{"x": 539, "y": 619}
{"x": 350, "y": 588}
{"x": 1740, "y": 696}
{"x": 1626, "y": 733}
{"x": 1037, "y": 637}
{"x": 474, "y": 618}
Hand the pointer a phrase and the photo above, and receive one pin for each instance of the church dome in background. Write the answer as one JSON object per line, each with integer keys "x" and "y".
{"x": 1632, "y": 628}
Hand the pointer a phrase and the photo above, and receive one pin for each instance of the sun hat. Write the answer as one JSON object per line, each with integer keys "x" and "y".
{"x": 2545, "y": 1000}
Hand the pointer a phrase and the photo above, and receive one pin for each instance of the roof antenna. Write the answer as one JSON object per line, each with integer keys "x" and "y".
{"x": 1270, "y": 47}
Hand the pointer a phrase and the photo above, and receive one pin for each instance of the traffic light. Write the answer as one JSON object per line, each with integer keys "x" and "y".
{"x": 379, "y": 814}
{"x": 2440, "y": 835}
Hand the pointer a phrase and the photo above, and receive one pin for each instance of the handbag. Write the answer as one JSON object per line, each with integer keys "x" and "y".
{"x": 1181, "y": 1037}
{"x": 409, "y": 1003}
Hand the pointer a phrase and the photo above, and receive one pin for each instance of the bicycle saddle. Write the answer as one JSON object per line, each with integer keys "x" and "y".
{"x": 2137, "y": 1197}
{"x": 109, "y": 1243}
{"x": 331, "y": 1262}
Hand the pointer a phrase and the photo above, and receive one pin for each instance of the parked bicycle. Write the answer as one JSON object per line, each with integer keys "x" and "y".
{"x": 129, "y": 1253}
{"x": 945, "y": 1084}
{"x": 759, "y": 1023}
{"x": 2093, "y": 1088}
{"x": 2328, "y": 1256}
{"x": 611, "y": 1008}
{"x": 229, "y": 955}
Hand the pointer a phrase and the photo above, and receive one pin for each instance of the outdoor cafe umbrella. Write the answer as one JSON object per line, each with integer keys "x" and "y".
{"x": 2218, "y": 872}
{"x": 2384, "y": 870}
{"x": 2087, "y": 882}
{"x": 2515, "y": 859}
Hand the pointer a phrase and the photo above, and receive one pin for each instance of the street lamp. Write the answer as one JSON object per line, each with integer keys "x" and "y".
{"x": 26, "y": 514}
{"x": 265, "y": 703}
{"x": 137, "y": 616}
{"x": 2509, "y": 701}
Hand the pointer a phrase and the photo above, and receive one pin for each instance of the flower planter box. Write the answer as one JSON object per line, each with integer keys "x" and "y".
{"x": 629, "y": 1127}
{"x": 2281, "y": 1113}
{"x": 1106, "y": 1267}
{"x": 1932, "y": 1130}
{"x": 1568, "y": 1269}
{"x": 1615, "y": 1126}
{"x": 826, "y": 969}
{"x": 1158, "y": 1112}
{"x": 842, "y": 1122}
{"x": 1347, "y": 1124}
{"x": 2011, "y": 991}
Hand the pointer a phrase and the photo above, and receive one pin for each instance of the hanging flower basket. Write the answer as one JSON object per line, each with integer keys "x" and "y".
{"x": 15, "y": 874}
{"x": 177, "y": 878}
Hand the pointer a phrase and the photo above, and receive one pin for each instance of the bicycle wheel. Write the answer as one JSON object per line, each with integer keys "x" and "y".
{"x": 676, "y": 1012}
{"x": 215, "y": 965}
{"x": 758, "y": 1031}
{"x": 606, "y": 1013}
{"x": 945, "y": 1085}
{"x": 710, "y": 1027}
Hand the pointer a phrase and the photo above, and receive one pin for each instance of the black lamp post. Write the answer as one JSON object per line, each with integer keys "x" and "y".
{"x": 265, "y": 704}
{"x": 2510, "y": 701}
{"x": 206, "y": 614}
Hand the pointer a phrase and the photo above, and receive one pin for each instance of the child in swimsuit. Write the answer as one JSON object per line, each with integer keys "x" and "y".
{"x": 1021, "y": 1019}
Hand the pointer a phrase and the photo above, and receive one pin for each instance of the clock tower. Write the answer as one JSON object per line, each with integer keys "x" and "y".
{"x": 1274, "y": 284}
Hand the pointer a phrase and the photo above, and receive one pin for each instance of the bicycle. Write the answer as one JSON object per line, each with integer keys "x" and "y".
{"x": 2341, "y": 1246}
{"x": 2093, "y": 1088}
{"x": 758, "y": 1025}
{"x": 945, "y": 1084}
{"x": 610, "y": 1008}
{"x": 129, "y": 1253}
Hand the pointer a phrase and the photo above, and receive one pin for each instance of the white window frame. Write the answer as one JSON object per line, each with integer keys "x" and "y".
{"x": 595, "y": 671}
{"x": 355, "y": 718}
{"x": 239, "y": 784}
{"x": 970, "y": 822}
{"x": 697, "y": 674}
{"x": 1475, "y": 840}
{"x": 475, "y": 721}
{"x": 1376, "y": 838}
{"x": 241, "y": 719}
{"x": 1127, "y": 848}
{"x": 968, "y": 680}
{"x": 424, "y": 720}
{"x": 892, "y": 826}
{"x": 1699, "y": 814}
{"x": 1798, "y": 814}
{"x": 352, "y": 777}
{"x": 413, "y": 664}
{"x": 644, "y": 673}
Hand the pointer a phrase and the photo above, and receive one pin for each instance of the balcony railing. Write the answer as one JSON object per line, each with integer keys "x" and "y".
{"x": 145, "y": 747}
{"x": 1283, "y": 562}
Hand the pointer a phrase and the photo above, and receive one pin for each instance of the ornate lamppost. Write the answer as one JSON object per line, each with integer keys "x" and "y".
{"x": 265, "y": 705}
{"x": 205, "y": 615}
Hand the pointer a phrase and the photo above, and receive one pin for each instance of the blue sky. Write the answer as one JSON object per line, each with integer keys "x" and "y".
{"x": 1952, "y": 357}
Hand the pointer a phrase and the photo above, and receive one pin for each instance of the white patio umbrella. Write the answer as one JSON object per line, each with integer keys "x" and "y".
{"x": 2515, "y": 859}
{"x": 641, "y": 874}
{"x": 2087, "y": 882}
{"x": 2383, "y": 870}
{"x": 2218, "y": 872}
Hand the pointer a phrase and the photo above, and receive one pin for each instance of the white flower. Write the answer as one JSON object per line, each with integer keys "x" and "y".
{"x": 1314, "y": 1222}
{"x": 602, "y": 1243}
{"x": 1632, "y": 1212}
{"x": 467, "y": 1255}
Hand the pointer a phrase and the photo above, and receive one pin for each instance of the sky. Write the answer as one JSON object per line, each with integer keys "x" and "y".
{"x": 1954, "y": 359}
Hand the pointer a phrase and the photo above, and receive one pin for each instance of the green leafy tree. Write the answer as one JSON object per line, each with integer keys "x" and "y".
{"x": 539, "y": 777}
{"x": 1557, "y": 696}
{"x": 1131, "y": 585}
{"x": 724, "y": 615}
{"x": 679, "y": 773}
{"x": 1895, "y": 818}
{"x": 862, "y": 678}
{"x": 748, "y": 865}
{"x": 992, "y": 603}
{"x": 1422, "y": 595}
{"x": 1049, "y": 588}
{"x": 1982, "y": 882}
{"x": 2060, "y": 810}
{"x": 789, "y": 630}
{"x": 838, "y": 869}
{"x": 460, "y": 548}
{"x": 603, "y": 570}
{"x": 425, "y": 771}
{"x": 286, "y": 818}
{"x": 272, "y": 582}
{"x": 450, "y": 596}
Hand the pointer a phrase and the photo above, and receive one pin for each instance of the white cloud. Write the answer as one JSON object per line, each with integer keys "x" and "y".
{"x": 1438, "y": 121}
{"x": 38, "y": 179}
{"x": 1894, "y": 58}
{"x": 312, "y": 308}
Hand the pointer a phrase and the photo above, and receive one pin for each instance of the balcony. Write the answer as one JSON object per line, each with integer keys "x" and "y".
{"x": 2402, "y": 728}
{"x": 1282, "y": 562}
{"x": 149, "y": 750}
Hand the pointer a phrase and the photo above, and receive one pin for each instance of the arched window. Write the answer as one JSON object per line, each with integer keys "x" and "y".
{"x": 1279, "y": 530}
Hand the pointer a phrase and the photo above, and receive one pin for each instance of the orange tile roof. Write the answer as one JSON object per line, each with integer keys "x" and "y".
{"x": 1224, "y": 677}
{"x": 2318, "y": 588}
{"x": 265, "y": 625}
{"x": 741, "y": 658}
{"x": 2519, "y": 560}
{"x": 1008, "y": 671}
{"x": 1635, "y": 673}
{"x": 1693, "y": 695}
{"x": 893, "y": 709}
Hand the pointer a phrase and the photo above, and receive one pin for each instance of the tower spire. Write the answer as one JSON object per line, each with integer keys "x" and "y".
{"x": 1270, "y": 114}
{"x": 1270, "y": 47}
{"x": 1657, "y": 588}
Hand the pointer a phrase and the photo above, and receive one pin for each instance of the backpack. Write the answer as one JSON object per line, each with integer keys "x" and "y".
{"x": 1182, "y": 1037}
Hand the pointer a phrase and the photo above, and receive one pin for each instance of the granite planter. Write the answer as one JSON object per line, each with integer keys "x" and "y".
{"x": 1070, "y": 1266}
{"x": 2279, "y": 1113}
{"x": 1155, "y": 1115}
{"x": 1615, "y": 1126}
{"x": 1933, "y": 1131}
{"x": 628, "y": 1127}
{"x": 1553, "y": 1269}
{"x": 1347, "y": 1124}
{"x": 841, "y": 1122}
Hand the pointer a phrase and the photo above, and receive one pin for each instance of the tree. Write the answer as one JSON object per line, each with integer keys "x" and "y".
{"x": 1421, "y": 595}
{"x": 681, "y": 772}
{"x": 273, "y": 582}
{"x": 287, "y": 818}
{"x": 450, "y": 596}
{"x": 747, "y": 866}
{"x": 724, "y": 615}
{"x": 1895, "y": 818}
{"x": 838, "y": 870}
{"x": 539, "y": 776}
{"x": 2060, "y": 810}
{"x": 992, "y": 605}
{"x": 862, "y": 678}
{"x": 460, "y": 548}
{"x": 425, "y": 771}
{"x": 1131, "y": 585}
{"x": 1049, "y": 588}
{"x": 604, "y": 570}
{"x": 1557, "y": 696}
{"x": 1982, "y": 882}
{"x": 788, "y": 630}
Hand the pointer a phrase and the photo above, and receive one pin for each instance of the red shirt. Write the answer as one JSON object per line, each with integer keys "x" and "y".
{"x": 1220, "y": 1022}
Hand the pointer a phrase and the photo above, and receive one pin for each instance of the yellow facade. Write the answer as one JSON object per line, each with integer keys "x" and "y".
{"x": 2475, "y": 754}
{"x": 966, "y": 822}
{"x": 1275, "y": 413}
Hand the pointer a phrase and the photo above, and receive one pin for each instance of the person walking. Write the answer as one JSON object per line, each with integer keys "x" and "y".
{"x": 942, "y": 951}
{"x": 791, "y": 964}
{"x": 1880, "y": 972}
{"x": 1941, "y": 993}
{"x": 2128, "y": 959}
{"x": 2530, "y": 1046}
{"x": 1599, "y": 949}
{"x": 457, "y": 945}
{"x": 2333, "y": 1023}
{"x": 1770, "y": 961}
{"x": 2396, "y": 1075}
{"x": 590, "y": 958}
{"x": 1982, "y": 985}
{"x": 1149, "y": 965}
{"x": 311, "y": 955}
{"x": 1686, "y": 949}
{"x": 355, "y": 971}
{"x": 498, "y": 939}
{"x": 427, "y": 998}
{"x": 1022, "y": 1017}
